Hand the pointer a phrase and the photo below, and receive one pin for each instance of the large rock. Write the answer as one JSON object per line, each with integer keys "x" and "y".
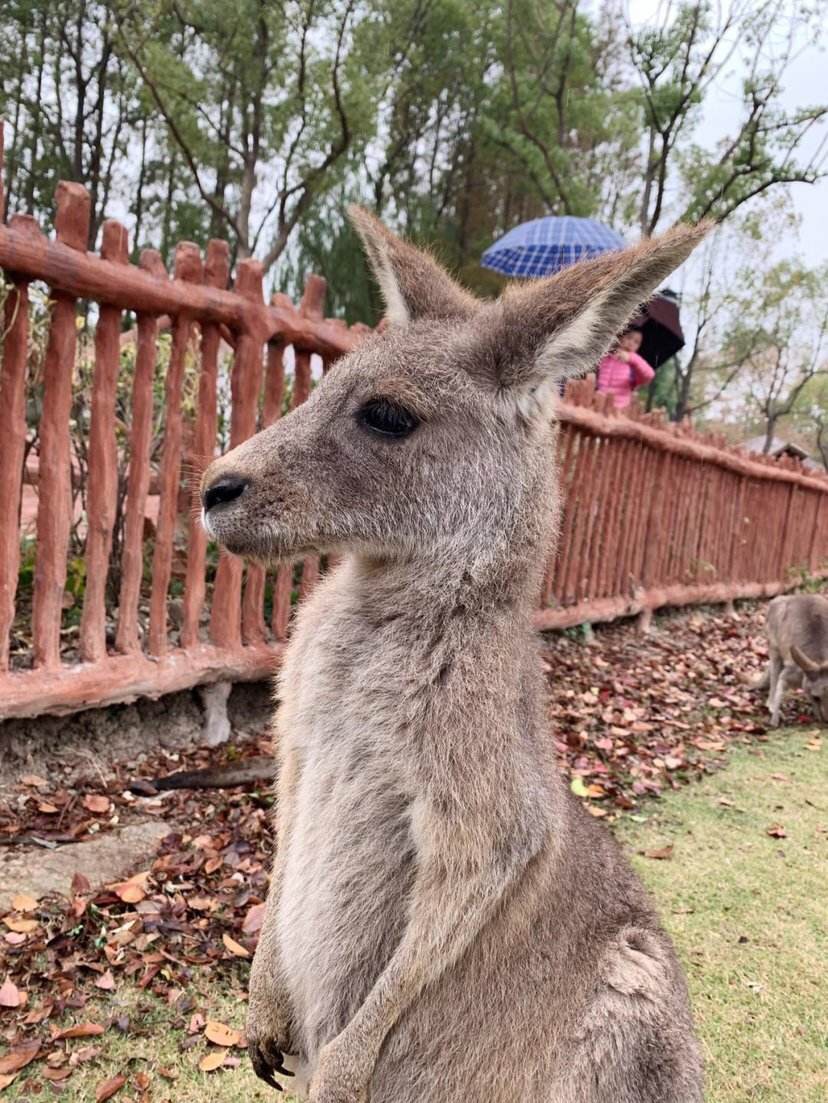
{"x": 111, "y": 857}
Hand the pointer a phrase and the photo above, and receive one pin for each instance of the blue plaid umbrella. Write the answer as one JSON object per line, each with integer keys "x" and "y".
{"x": 542, "y": 246}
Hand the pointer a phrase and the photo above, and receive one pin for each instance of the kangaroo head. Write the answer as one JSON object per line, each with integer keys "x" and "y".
{"x": 814, "y": 682}
{"x": 434, "y": 439}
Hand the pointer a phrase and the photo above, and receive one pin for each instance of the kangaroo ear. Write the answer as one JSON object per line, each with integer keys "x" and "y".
{"x": 563, "y": 325}
{"x": 412, "y": 283}
{"x": 803, "y": 662}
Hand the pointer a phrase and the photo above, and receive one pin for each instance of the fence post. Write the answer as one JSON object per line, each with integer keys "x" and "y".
{"x": 138, "y": 479}
{"x": 102, "y": 492}
{"x": 54, "y": 513}
{"x": 188, "y": 268}
{"x": 312, "y": 306}
{"x": 216, "y": 272}
{"x": 274, "y": 398}
{"x": 226, "y": 615}
{"x": 12, "y": 438}
{"x": 274, "y": 392}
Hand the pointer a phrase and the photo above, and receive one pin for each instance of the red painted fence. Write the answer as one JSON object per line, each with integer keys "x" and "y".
{"x": 654, "y": 515}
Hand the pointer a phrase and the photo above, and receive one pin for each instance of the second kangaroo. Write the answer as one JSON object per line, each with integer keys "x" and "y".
{"x": 797, "y": 652}
{"x": 445, "y": 922}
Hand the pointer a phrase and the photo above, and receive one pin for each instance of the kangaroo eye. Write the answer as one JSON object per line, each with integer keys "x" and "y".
{"x": 387, "y": 418}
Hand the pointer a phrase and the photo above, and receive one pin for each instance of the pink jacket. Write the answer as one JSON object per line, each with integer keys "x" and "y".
{"x": 618, "y": 378}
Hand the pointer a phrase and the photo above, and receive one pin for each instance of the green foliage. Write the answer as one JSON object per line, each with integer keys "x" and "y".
{"x": 806, "y": 581}
{"x": 662, "y": 393}
{"x": 329, "y": 245}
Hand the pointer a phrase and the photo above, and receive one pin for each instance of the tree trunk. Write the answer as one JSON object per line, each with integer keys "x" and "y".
{"x": 770, "y": 430}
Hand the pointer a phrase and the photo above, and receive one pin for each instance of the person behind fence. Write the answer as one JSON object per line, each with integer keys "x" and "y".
{"x": 622, "y": 369}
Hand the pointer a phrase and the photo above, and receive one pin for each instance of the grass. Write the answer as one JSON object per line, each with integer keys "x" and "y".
{"x": 749, "y": 914}
{"x": 153, "y": 1046}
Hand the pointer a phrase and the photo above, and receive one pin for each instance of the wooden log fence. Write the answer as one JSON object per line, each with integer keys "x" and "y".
{"x": 654, "y": 515}
{"x": 659, "y": 515}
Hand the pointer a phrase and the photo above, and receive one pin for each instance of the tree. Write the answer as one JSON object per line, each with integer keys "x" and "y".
{"x": 564, "y": 109}
{"x": 263, "y": 102}
{"x": 71, "y": 103}
{"x": 777, "y": 342}
{"x": 489, "y": 116}
{"x": 678, "y": 59}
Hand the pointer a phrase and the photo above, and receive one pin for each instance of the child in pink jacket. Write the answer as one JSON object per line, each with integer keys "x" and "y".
{"x": 622, "y": 369}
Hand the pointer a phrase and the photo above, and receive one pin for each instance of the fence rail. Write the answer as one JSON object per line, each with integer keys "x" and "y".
{"x": 654, "y": 515}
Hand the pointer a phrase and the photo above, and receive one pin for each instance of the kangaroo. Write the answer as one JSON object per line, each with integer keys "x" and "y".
{"x": 444, "y": 922}
{"x": 798, "y": 652}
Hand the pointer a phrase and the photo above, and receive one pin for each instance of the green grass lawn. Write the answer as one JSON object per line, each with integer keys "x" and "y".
{"x": 749, "y": 914}
{"x": 748, "y": 911}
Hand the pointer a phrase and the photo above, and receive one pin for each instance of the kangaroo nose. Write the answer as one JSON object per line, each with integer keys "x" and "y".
{"x": 226, "y": 489}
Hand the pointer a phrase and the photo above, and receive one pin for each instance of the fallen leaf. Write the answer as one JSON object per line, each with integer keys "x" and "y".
{"x": 105, "y": 981}
{"x": 80, "y": 884}
{"x": 776, "y": 831}
{"x": 39, "y": 1013}
{"x": 21, "y": 926}
{"x": 202, "y": 903}
{"x": 23, "y": 903}
{"x": 58, "y": 1074}
{"x": 109, "y": 1088}
{"x": 212, "y": 1060}
{"x": 17, "y": 1059}
{"x": 34, "y": 781}
{"x": 6, "y": 1079}
{"x": 84, "y": 1054}
{"x": 10, "y": 994}
{"x": 96, "y": 802}
{"x": 128, "y": 891}
{"x": 220, "y": 1034}
{"x": 660, "y": 853}
{"x": 81, "y": 1030}
{"x": 234, "y": 947}
{"x": 47, "y": 808}
{"x": 577, "y": 786}
{"x": 254, "y": 919}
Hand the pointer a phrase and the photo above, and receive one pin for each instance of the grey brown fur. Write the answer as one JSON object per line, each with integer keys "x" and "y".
{"x": 445, "y": 923}
{"x": 797, "y": 652}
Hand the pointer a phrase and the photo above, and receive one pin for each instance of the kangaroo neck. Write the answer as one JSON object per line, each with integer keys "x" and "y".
{"x": 436, "y": 588}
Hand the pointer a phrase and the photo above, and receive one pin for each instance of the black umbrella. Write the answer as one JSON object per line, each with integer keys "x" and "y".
{"x": 660, "y": 327}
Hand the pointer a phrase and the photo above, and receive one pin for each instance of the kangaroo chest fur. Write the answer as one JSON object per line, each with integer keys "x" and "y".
{"x": 349, "y": 859}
